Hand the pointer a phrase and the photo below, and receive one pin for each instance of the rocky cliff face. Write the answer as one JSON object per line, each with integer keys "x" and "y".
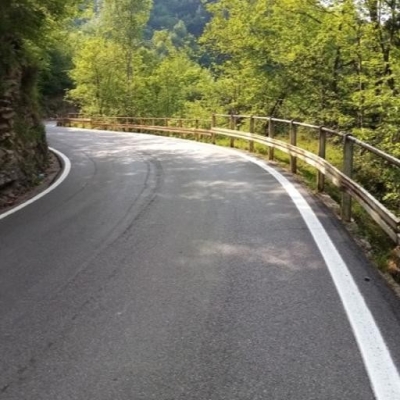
{"x": 23, "y": 148}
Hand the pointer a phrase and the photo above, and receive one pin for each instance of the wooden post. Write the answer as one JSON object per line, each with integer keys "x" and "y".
{"x": 322, "y": 154}
{"x": 348, "y": 161}
{"x": 166, "y": 124}
{"x": 293, "y": 141}
{"x": 180, "y": 125}
{"x": 233, "y": 127}
{"x": 271, "y": 152}
{"x": 213, "y": 125}
{"x": 196, "y": 127}
{"x": 136, "y": 121}
{"x": 251, "y": 143}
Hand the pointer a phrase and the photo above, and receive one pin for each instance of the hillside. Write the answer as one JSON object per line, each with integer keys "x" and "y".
{"x": 167, "y": 13}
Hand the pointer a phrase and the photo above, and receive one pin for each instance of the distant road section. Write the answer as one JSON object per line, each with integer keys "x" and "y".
{"x": 173, "y": 270}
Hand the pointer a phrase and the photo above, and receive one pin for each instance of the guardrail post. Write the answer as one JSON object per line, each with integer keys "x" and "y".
{"x": 196, "y": 127}
{"x": 167, "y": 124}
{"x": 293, "y": 142}
{"x": 348, "y": 161}
{"x": 232, "y": 126}
{"x": 251, "y": 143}
{"x": 322, "y": 154}
{"x": 213, "y": 125}
{"x": 271, "y": 152}
{"x": 180, "y": 125}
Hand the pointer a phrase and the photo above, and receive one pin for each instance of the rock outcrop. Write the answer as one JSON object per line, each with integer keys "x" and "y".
{"x": 23, "y": 148}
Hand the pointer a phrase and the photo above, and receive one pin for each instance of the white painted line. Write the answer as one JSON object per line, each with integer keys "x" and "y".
{"x": 62, "y": 177}
{"x": 382, "y": 372}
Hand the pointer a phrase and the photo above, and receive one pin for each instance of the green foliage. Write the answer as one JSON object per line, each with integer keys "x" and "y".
{"x": 116, "y": 74}
{"x": 324, "y": 63}
{"x": 122, "y": 21}
{"x": 26, "y": 28}
{"x": 169, "y": 91}
{"x": 98, "y": 66}
{"x": 33, "y": 44}
{"x": 166, "y": 14}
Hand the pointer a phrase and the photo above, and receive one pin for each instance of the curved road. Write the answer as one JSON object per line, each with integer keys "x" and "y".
{"x": 172, "y": 270}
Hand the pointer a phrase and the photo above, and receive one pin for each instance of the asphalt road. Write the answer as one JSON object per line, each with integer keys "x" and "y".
{"x": 172, "y": 270}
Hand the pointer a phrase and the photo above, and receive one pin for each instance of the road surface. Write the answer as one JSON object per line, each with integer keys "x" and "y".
{"x": 172, "y": 270}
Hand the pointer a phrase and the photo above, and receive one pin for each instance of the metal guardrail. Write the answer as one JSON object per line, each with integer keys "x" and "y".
{"x": 342, "y": 179}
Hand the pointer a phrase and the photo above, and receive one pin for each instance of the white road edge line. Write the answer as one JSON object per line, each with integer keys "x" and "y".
{"x": 382, "y": 372}
{"x": 61, "y": 178}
